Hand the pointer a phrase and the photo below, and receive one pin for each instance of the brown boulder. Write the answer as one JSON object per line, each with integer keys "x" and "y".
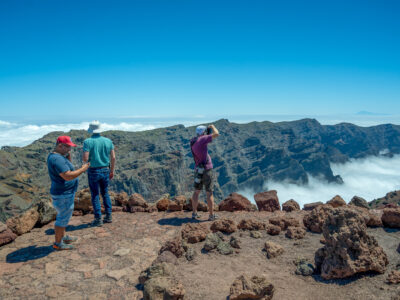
{"x": 180, "y": 200}
{"x": 6, "y": 235}
{"x": 166, "y": 257}
{"x": 273, "y": 229}
{"x": 173, "y": 206}
{"x": 224, "y": 225}
{"x": 83, "y": 200}
{"x": 162, "y": 204}
{"x": 267, "y": 201}
{"x": 284, "y": 222}
{"x": 137, "y": 200}
{"x": 295, "y": 233}
{"x": 136, "y": 209}
{"x": 201, "y": 206}
{"x": 374, "y": 220}
{"x": 391, "y": 217}
{"x": 151, "y": 208}
{"x": 256, "y": 287}
{"x": 174, "y": 246}
{"x": 311, "y": 206}
{"x": 316, "y": 218}
{"x": 24, "y": 222}
{"x": 349, "y": 249}
{"x": 290, "y": 205}
{"x": 163, "y": 288}
{"x": 235, "y": 202}
{"x": 394, "y": 277}
{"x": 336, "y": 201}
{"x": 121, "y": 198}
{"x": 273, "y": 249}
{"x": 195, "y": 232}
{"x": 360, "y": 202}
{"x": 251, "y": 224}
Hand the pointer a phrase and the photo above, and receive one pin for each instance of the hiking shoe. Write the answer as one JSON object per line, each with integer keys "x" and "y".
{"x": 195, "y": 216}
{"x": 69, "y": 239}
{"x": 107, "y": 219}
{"x": 62, "y": 246}
{"x": 213, "y": 217}
{"x": 97, "y": 223}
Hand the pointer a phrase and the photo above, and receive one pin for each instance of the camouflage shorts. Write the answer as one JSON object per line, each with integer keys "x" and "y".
{"x": 207, "y": 181}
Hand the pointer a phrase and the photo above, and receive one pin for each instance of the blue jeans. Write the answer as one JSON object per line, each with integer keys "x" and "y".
{"x": 64, "y": 205}
{"x": 99, "y": 179}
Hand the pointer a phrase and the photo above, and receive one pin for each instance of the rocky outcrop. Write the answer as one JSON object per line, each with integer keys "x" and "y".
{"x": 159, "y": 269}
{"x": 251, "y": 224}
{"x": 47, "y": 212}
{"x": 137, "y": 200}
{"x": 24, "y": 222}
{"x": 349, "y": 249}
{"x": 290, "y": 205}
{"x": 284, "y": 222}
{"x": 303, "y": 267}
{"x": 121, "y": 198}
{"x": 167, "y": 288}
{"x": 391, "y": 217}
{"x": 163, "y": 203}
{"x": 273, "y": 229}
{"x": 224, "y": 225}
{"x": 272, "y": 249}
{"x": 83, "y": 200}
{"x": 256, "y": 287}
{"x": 174, "y": 246}
{"x": 394, "y": 277}
{"x": 6, "y": 235}
{"x": 295, "y": 233}
{"x": 336, "y": 201}
{"x": 267, "y": 201}
{"x": 311, "y": 206}
{"x": 235, "y": 202}
{"x": 359, "y": 201}
{"x": 194, "y": 232}
{"x": 315, "y": 220}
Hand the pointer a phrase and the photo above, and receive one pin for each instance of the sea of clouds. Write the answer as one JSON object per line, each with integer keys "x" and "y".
{"x": 370, "y": 178}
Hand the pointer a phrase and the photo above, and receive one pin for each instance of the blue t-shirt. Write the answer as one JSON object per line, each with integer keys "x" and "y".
{"x": 56, "y": 163}
{"x": 99, "y": 148}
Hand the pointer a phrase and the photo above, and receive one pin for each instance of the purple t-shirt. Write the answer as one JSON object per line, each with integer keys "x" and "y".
{"x": 200, "y": 151}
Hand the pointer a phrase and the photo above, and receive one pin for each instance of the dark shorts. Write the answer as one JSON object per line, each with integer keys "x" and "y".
{"x": 206, "y": 181}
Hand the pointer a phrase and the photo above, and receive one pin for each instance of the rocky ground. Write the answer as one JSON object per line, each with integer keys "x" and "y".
{"x": 107, "y": 261}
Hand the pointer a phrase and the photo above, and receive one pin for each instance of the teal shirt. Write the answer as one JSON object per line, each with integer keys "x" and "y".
{"x": 99, "y": 149}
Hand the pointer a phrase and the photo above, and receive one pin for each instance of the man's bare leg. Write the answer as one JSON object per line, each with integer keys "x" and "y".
{"x": 195, "y": 200}
{"x": 59, "y": 233}
{"x": 210, "y": 202}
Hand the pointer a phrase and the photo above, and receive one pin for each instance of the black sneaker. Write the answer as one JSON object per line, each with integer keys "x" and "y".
{"x": 97, "y": 223}
{"x": 107, "y": 219}
{"x": 195, "y": 216}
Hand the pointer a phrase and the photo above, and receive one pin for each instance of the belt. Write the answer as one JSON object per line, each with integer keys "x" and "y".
{"x": 95, "y": 168}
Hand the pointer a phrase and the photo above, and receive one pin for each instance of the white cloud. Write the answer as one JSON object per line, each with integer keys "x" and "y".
{"x": 369, "y": 178}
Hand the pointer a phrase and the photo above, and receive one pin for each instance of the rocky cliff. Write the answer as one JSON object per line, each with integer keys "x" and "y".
{"x": 159, "y": 161}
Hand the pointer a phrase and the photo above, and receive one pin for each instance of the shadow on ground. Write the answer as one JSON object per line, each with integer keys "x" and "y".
{"x": 347, "y": 280}
{"x": 29, "y": 253}
{"x": 50, "y": 231}
{"x": 177, "y": 221}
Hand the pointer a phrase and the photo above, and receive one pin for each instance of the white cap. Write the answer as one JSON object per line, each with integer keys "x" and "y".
{"x": 94, "y": 127}
{"x": 200, "y": 129}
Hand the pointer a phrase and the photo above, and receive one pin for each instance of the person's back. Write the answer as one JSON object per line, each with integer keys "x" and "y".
{"x": 99, "y": 148}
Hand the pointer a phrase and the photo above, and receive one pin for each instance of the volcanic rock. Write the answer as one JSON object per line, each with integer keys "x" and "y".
{"x": 290, "y": 205}
{"x": 24, "y": 222}
{"x": 173, "y": 206}
{"x": 151, "y": 209}
{"x": 273, "y": 229}
{"x": 235, "y": 242}
{"x": 295, "y": 232}
{"x": 315, "y": 220}
{"x": 303, "y": 267}
{"x": 163, "y": 288}
{"x": 180, "y": 200}
{"x": 195, "y": 232}
{"x": 212, "y": 241}
{"x": 235, "y": 202}
{"x": 311, "y": 206}
{"x": 349, "y": 249}
{"x": 163, "y": 203}
{"x": 137, "y": 200}
{"x": 256, "y": 287}
{"x": 136, "y": 209}
{"x": 160, "y": 269}
{"x": 121, "y": 198}
{"x": 6, "y": 235}
{"x": 250, "y": 224}
{"x": 224, "y": 248}
{"x": 47, "y": 212}
{"x": 83, "y": 200}
{"x": 284, "y": 222}
{"x": 190, "y": 254}
{"x": 273, "y": 249}
{"x": 166, "y": 257}
{"x": 267, "y": 201}
{"x": 391, "y": 217}
{"x": 224, "y": 225}
{"x": 336, "y": 201}
{"x": 394, "y": 277}
{"x": 174, "y": 246}
{"x": 360, "y": 202}
{"x": 255, "y": 234}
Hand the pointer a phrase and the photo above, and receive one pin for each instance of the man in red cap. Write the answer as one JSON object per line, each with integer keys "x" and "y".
{"x": 64, "y": 183}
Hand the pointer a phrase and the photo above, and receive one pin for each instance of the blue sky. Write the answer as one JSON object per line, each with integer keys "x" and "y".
{"x": 97, "y": 59}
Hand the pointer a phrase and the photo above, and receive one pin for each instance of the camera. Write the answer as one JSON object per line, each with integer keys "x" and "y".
{"x": 209, "y": 130}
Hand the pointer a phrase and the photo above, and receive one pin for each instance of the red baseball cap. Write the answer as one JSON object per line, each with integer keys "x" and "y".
{"x": 65, "y": 139}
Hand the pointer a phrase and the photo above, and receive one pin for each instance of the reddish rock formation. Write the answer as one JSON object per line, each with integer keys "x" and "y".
{"x": 224, "y": 225}
{"x": 315, "y": 220}
{"x": 311, "y": 206}
{"x": 295, "y": 232}
{"x": 273, "y": 249}
{"x": 195, "y": 232}
{"x": 284, "y": 222}
{"x": 24, "y": 222}
{"x": 137, "y": 200}
{"x": 174, "y": 246}
{"x": 391, "y": 217}
{"x": 336, "y": 201}
{"x": 349, "y": 249}
{"x": 290, "y": 205}
{"x": 83, "y": 200}
{"x": 6, "y": 235}
{"x": 235, "y": 202}
{"x": 250, "y": 224}
{"x": 267, "y": 201}
{"x": 201, "y": 206}
{"x": 273, "y": 229}
{"x": 121, "y": 198}
{"x": 394, "y": 277}
{"x": 162, "y": 204}
{"x": 360, "y": 202}
{"x": 180, "y": 200}
{"x": 173, "y": 206}
{"x": 256, "y": 287}
{"x": 136, "y": 209}
{"x": 151, "y": 208}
